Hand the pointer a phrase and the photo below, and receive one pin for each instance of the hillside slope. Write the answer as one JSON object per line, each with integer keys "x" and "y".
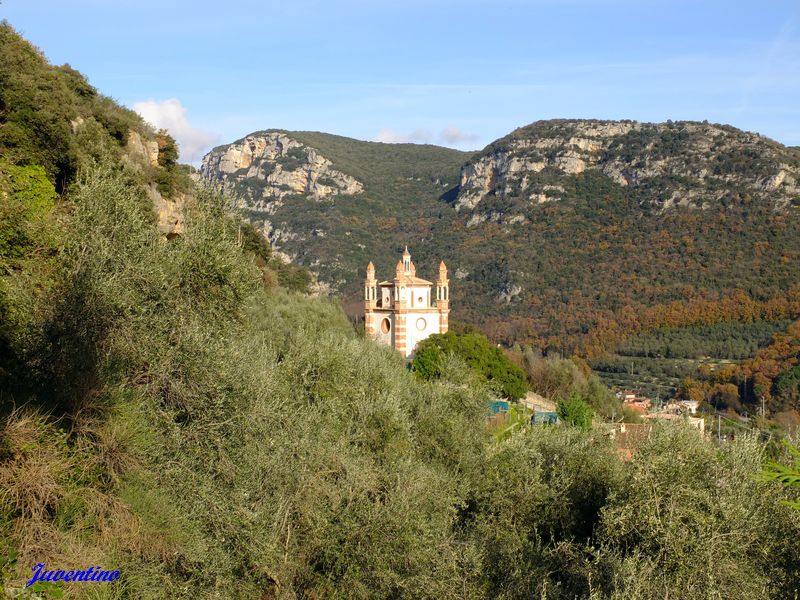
{"x": 333, "y": 203}
{"x": 690, "y": 164}
{"x": 172, "y": 418}
{"x": 549, "y": 231}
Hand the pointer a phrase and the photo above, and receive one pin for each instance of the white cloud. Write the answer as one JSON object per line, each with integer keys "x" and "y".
{"x": 453, "y": 135}
{"x": 390, "y": 136}
{"x": 171, "y": 115}
{"x": 449, "y": 136}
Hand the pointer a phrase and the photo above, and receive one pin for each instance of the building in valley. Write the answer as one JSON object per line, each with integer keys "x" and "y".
{"x": 403, "y": 311}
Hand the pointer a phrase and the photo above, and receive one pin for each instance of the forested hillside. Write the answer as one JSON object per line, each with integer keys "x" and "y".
{"x": 590, "y": 220}
{"x": 333, "y": 203}
{"x": 565, "y": 236}
{"x": 552, "y": 231}
{"x": 170, "y": 411}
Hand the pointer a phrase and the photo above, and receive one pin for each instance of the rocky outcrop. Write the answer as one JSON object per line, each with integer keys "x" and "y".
{"x": 171, "y": 212}
{"x": 673, "y": 163}
{"x": 280, "y": 166}
{"x": 267, "y": 170}
{"x": 509, "y": 292}
{"x": 142, "y": 150}
{"x": 141, "y": 154}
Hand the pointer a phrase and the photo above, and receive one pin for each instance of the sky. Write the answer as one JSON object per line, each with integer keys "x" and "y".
{"x": 459, "y": 74}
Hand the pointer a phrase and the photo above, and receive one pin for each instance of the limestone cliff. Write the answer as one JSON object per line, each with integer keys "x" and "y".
{"x": 141, "y": 153}
{"x": 285, "y": 167}
{"x": 684, "y": 163}
{"x": 142, "y": 150}
{"x": 268, "y": 169}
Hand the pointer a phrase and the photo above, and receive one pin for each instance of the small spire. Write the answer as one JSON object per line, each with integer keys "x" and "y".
{"x": 442, "y": 267}
{"x": 370, "y": 267}
{"x": 406, "y": 261}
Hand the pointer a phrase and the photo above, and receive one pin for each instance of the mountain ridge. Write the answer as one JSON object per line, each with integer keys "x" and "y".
{"x": 669, "y": 211}
{"x": 703, "y": 155}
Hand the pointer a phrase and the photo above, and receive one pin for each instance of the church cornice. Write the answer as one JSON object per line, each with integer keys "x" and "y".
{"x": 406, "y": 310}
{"x": 407, "y": 280}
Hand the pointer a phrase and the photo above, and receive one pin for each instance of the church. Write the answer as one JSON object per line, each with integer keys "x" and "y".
{"x": 401, "y": 312}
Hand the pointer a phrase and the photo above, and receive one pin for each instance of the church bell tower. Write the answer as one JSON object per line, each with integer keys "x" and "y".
{"x": 400, "y": 312}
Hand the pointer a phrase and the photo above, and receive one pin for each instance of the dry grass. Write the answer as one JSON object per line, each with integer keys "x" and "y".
{"x": 57, "y": 515}
{"x": 32, "y": 476}
{"x": 105, "y": 444}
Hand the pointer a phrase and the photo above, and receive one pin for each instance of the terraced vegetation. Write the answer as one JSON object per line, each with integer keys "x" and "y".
{"x": 656, "y": 362}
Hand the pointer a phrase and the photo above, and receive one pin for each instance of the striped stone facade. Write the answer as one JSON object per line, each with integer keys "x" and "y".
{"x": 402, "y": 312}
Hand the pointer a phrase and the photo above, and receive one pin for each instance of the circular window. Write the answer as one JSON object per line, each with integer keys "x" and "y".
{"x": 421, "y": 324}
{"x": 385, "y": 326}
{"x": 420, "y": 300}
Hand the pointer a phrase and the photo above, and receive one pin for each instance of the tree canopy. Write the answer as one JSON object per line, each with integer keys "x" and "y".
{"x": 574, "y": 411}
{"x": 478, "y": 352}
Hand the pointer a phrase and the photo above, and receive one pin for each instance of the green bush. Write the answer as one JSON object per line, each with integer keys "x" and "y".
{"x": 539, "y": 501}
{"x": 26, "y": 200}
{"x": 691, "y": 518}
{"x": 787, "y": 475}
{"x": 476, "y": 350}
{"x": 559, "y": 378}
{"x": 574, "y": 411}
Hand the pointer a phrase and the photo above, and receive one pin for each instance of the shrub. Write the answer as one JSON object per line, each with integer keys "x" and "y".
{"x": 26, "y": 200}
{"x": 788, "y": 475}
{"x": 574, "y": 411}
{"x": 557, "y": 378}
{"x": 476, "y": 350}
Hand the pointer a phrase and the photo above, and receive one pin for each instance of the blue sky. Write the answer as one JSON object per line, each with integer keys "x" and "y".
{"x": 454, "y": 73}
